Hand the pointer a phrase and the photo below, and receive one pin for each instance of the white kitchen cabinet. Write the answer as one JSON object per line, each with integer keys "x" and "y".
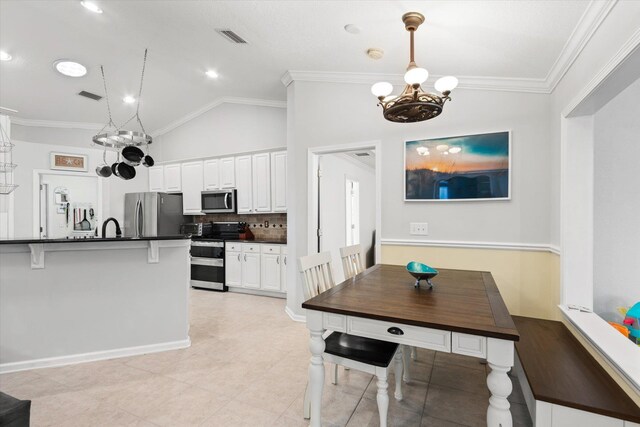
{"x": 156, "y": 178}
{"x": 251, "y": 266}
{"x": 271, "y": 270}
{"x": 244, "y": 184}
{"x": 173, "y": 178}
{"x": 279, "y": 181}
{"x": 211, "y": 174}
{"x": 192, "y": 186}
{"x": 261, "y": 177}
{"x": 227, "y": 172}
{"x": 283, "y": 267}
{"x": 233, "y": 268}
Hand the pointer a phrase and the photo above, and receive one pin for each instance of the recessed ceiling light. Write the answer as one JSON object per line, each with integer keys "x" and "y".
{"x": 91, "y": 6}
{"x": 129, "y": 99}
{"x": 4, "y": 56}
{"x": 212, "y": 74}
{"x": 70, "y": 68}
{"x": 352, "y": 29}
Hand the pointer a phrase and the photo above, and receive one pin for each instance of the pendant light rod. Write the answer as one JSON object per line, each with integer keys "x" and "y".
{"x": 411, "y": 60}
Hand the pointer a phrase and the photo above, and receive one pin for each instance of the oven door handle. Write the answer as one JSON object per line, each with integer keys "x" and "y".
{"x": 209, "y": 262}
{"x": 208, "y": 244}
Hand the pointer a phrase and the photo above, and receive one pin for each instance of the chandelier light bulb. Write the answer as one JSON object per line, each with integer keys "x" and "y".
{"x": 446, "y": 84}
{"x": 382, "y": 89}
{"x": 416, "y": 76}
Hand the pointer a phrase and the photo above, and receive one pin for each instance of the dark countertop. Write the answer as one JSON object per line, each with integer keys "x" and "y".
{"x": 266, "y": 242}
{"x": 93, "y": 239}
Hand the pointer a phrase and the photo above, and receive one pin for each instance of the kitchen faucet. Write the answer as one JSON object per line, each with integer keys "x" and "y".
{"x": 104, "y": 227}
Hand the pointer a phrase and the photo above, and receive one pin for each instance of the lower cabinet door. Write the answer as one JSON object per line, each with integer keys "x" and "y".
{"x": 233, "y": 269}
{"x": 271, "y": 272}
{"x": 251, "y": 270}
{"x": 283, "y": 273}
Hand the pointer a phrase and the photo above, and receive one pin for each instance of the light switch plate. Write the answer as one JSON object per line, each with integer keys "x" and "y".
{"x": 419, "y": 228}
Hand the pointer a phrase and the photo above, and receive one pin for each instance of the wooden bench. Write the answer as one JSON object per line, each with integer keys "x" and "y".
{"x": 563, "y": 384}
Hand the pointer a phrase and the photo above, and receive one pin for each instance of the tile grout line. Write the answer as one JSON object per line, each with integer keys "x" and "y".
{"x": 359, "y": 400}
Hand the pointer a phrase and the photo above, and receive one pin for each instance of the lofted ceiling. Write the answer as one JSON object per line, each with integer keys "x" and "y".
{"x": 481, "y": 39}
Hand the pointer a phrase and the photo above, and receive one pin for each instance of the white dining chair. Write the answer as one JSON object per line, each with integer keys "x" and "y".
{"x": 353, "y": 263}
{"x": 352, "y": 260}
{"x": 350, "y": 351}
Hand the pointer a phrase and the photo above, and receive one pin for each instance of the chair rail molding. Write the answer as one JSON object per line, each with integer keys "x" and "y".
{"x": 534, "y": 247}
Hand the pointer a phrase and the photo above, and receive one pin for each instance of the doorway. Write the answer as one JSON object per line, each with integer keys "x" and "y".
{"x": 66, "y": 204}
{"x": 344, "y": 201}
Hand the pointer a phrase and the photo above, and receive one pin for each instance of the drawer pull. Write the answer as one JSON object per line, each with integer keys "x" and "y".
{"x": 395, "y": 331}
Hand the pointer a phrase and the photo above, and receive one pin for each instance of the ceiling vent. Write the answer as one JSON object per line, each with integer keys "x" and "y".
{"x": 90, "y": 95}
{"x": 365, "y": 154}
{"x": 231, "y": 36}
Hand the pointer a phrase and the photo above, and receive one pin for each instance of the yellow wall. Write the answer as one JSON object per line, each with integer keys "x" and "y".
{"x": 529, "y": 281}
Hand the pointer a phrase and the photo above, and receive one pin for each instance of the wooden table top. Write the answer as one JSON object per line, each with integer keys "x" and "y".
{"x": 460, "y": 301}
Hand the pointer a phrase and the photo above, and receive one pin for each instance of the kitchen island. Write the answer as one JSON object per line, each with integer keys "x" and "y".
{"x": 66, "y": 301}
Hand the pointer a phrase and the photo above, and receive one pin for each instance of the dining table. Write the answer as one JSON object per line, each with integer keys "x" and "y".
{"x": 463, "y": 313}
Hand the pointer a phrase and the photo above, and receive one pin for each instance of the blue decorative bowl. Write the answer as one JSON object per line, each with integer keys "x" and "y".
{"x": 421, "y": 272}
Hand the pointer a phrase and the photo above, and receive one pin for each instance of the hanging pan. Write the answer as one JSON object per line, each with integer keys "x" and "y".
{"x": 132, "y": 155}
{"x": 104, "y": 170}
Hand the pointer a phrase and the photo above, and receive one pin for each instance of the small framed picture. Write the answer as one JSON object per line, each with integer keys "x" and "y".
{"x": 69, "y": 162}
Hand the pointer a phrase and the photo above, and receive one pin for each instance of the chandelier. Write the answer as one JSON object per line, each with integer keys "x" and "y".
{"x": 413, "y": 104}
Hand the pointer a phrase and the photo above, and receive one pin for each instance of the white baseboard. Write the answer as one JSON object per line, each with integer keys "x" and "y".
{"x": 258, "y": 292}
{"x": 295, "y": 317}
{"x": 92, "y": 357}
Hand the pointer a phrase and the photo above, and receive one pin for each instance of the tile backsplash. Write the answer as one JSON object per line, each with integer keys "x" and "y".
{"x": 272, "y": 226}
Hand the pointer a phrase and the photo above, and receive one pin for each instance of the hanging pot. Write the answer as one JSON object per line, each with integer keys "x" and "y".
{"x": 147, "y": 160}
{"x": 124, "y": 171}
{"x": 132, "y": 155}
{"x": 104, "y": 170}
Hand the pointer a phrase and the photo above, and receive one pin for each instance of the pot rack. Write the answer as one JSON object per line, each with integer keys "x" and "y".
{"x": 119, "y": 138}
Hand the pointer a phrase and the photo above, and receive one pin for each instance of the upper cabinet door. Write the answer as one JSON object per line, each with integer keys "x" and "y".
{"x": 227, "y": 173}
{"x": 156, "y": 178}
{"x": 192, "y": 186}
{"x": 244, "y": 184}
{"x": 261, "y": 171}
{"x": 279, "y": 181}
{"x": 172, "y": 178}
{"x": 212, "y": 174}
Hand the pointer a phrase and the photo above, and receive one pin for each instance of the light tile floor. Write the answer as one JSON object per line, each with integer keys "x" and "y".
{"x": 247, "y": 366}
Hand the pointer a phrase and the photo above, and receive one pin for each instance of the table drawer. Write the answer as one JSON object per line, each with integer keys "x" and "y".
{"x": 271, "y": 249}
{"x": 334, "y": 322}
{"x": 434, "y": 339}
{"x": 251, "y": 247}
{"x": 469, "y": 345}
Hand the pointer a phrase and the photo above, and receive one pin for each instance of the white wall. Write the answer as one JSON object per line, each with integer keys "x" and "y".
{"x": 335, "y": 169}
{"x": 618, "y": 27}
{"x": 223, "y": 130}
{"x": 617, "y": 204}
{"x": 330, "y": 113}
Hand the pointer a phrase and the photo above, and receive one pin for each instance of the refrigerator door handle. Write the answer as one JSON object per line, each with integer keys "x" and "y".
{"x": 135, "y": 218}
{"x": 141, "y": 221}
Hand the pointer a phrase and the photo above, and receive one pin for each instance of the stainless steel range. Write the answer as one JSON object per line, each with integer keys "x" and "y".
{"x": 207, "y": 252}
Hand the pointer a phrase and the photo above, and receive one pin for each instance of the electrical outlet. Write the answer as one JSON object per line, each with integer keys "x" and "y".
{"x": 419, "y": 228}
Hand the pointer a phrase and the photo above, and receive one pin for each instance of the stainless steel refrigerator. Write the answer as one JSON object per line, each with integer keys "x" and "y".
{"x": 152, "y": 214}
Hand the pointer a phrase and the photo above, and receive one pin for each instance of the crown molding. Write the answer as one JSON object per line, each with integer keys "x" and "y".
{"x": 589, "y": 22}
{"x": 215, "y": 103}
{"x": 56, "y": 124}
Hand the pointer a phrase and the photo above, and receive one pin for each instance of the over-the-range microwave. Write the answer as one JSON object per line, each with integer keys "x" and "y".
{"x": 219, "y": 201}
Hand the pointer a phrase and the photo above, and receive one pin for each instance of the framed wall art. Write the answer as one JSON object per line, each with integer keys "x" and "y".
{"x": 69, "y": 162}
{"x": 467, "y": 167}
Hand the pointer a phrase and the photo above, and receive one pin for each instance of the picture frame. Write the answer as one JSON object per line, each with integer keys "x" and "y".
{"x": 472, "y": 167}
{"x": 69, "y": 162}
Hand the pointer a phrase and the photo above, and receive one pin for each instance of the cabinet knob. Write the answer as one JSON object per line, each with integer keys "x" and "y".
{"x": 395, "y": 331}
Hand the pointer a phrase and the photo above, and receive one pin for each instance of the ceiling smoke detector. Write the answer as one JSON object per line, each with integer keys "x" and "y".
{"x": 375, "y": 53}
{"x": 90, "y": 95}
{"x": 231, "y": 36}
